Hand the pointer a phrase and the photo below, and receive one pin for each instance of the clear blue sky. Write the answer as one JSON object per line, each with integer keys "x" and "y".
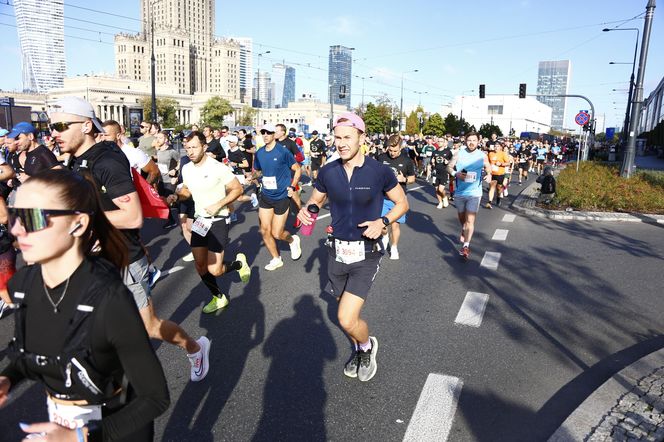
{"x": 498, "y": 43}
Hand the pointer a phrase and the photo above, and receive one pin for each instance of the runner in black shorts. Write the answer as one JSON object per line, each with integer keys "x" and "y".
{"x": 317, "y": 153}
{"x": 440, "y": 159}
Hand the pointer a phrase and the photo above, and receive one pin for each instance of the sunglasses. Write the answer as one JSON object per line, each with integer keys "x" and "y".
{"x": 264, "y": 132}
{"x": 33, "y": 220}
{"x": 61, "y": 126}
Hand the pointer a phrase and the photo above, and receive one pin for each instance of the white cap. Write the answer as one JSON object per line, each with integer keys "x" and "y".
{"x": 77, "y": 106}
{"x": 232, "y": 139}
{"x": 269, "y": 127}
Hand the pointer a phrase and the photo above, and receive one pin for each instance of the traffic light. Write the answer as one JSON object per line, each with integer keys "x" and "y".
{"x": 342, "y": 91}
{"x": 482, "y": 91}
{"x": 522, "y": 90}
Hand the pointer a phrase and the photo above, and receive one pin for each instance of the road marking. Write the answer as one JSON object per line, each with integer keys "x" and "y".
{"x": 414, "y": 188}
{"x": 500, "y": 235}
{"x": 472, "y": 309}
{"x": 490, "y": 260}
{"x": 509, "y": 218}
{"x": 435, "y": 409}
{"x": 323, "y": 216}
{"x": 172, "y": 270}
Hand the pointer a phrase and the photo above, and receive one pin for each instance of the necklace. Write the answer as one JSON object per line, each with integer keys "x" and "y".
{"x": 50, "y": 299}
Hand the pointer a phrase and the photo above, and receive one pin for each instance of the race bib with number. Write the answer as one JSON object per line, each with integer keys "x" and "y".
{"x": 470, "y": 177}
{"x": 494, "y": 168}
{"x": 163, "y": 168}
{"x": 72, "y": 416}
{"x": 201, "y": 226}
{"x": 349, "y": 252}
{"x": 270, "y": 182}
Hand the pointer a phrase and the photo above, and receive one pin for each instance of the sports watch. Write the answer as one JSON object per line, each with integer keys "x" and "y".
{"x": 386, "y": 221}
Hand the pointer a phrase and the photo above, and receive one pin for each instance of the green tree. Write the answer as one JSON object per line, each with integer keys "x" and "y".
{"x": 455, "y": 126}
{"x": 214, "y": 111}
{"x": 487, "y": 129}
{"x": 248, "y": 116}
{"x": 434, "y": 126}
{"x": 166, "y": 111}
{"x": 373, "y": 120}
{"x": 413, "y": 122}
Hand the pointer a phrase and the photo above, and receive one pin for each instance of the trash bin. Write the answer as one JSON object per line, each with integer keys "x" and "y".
{"x": 612, "y": 155}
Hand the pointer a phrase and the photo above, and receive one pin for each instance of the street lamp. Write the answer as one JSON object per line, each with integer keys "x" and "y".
{"x": 462, "y": 96}
{"x": 401, "y": 106}
{"x": 631, "y": 79}
{"x": 362, "y": 103}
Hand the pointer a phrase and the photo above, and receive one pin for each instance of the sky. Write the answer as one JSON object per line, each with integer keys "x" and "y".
{"x": 454, "y": 46}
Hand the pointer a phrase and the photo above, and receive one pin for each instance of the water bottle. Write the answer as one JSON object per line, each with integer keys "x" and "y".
{"x": 313, "y": 213}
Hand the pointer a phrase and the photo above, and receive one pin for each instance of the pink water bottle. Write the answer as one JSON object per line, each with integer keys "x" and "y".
{"x": 313, "y": 213}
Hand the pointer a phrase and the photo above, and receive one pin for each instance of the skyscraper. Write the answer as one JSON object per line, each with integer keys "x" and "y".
{"x": 283, "y": 77}
{"x": 246, "y": 67}
{"x": 42, "y": 47}
{"x": 340, "y": 74}
{"x": 553, "y": 79}
{"x": 263, "y": 90}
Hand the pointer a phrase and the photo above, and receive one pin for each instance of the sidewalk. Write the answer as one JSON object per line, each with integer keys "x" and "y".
{"x": 649, "y": 162}
{"x": 629, "y": 406}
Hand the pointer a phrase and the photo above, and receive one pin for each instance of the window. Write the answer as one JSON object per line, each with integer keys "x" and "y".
{"x": 495, "y": 109}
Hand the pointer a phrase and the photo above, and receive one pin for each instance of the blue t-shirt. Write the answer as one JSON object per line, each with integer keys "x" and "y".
{"x": 276, "y": 167}
{"x": 473, "y": 164}
{"x": 541, "y": 153}
{"x": 357, "y": 201}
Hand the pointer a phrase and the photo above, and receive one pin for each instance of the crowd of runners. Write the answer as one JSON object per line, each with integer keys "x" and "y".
{"x": 72, "y": 204}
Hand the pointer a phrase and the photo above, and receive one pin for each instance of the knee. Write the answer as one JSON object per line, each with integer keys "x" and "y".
{"x": 201, "y": 268}
{"x": 265, "y": 230}
{"x": 216, "y": 270}
{"x": 347, "y": 322}
{"x": 276, "y": 233}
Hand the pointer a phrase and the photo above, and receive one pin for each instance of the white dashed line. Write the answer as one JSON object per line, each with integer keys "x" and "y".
{"x": 323, "y": 216}
{"x": 414, "y": 188}
{"x": 172, "y": 270}
{"x": 490, "y": 260}
{"x": 509, "y": 218}
{"x": 435, "y": 409}
{"x": 472, "y": 309}
{"x": 500, "y": 235}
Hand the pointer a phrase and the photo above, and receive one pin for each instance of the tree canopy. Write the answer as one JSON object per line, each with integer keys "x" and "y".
{"x": 166, "y": 111}
{"x": 214, "y": 111}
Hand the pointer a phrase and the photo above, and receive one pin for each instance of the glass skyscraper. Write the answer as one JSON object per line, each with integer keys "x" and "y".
{"x": 553, "y": 79}
{"x": 340, "y": 74}
{"x": 283, "y": 77}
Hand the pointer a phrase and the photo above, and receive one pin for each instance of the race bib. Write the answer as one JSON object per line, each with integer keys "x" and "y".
{"x": 241, "y": 179}
{"x": 163, "y": 168}
{"x": 201, "y": 226}
{"x": 270, "y": 182}
{"x": 72, "y": 416}
{"x": 349, "y": 252}
{"x": 470, "y": 177}
{"x": 494, "y": 168}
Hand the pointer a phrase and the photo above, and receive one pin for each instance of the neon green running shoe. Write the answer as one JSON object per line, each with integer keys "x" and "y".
{"x": 245, "y": 270}
{"x": 215, "y": 304}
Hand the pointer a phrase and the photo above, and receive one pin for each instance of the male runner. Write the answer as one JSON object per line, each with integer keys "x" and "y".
{"x": 440, "y": 159}
{"x": 317, "y": 153}
{"x": 498, "y": 159}
{"x": 357, "y": 224}
{"x": 469, "y": 163}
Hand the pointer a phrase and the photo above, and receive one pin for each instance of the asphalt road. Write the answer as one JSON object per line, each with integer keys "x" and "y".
{"x": 569, "y": 304}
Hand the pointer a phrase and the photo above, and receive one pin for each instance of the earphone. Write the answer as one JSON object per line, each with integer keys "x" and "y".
{"x": 75, "y": 228}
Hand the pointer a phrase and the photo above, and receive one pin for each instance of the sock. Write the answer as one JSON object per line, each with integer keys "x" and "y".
{"x": 366, "y": 346}
{"x": 230, "y": 266}
{"x": 466, "y": 244}
{"x": 211, "y": 283}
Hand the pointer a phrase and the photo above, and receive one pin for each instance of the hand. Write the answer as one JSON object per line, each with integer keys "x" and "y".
{"x": 213, "y": 209}
{"x": 5, "y": 385}
{"x": 50, "y": 431}
{"x": 374, "y": 229}
{"x": 461, "y": 175}
{"x": 171, "y": 172}
{"x": 173, "y": 181}
{"x": 22, "y": 177}
{"x": 487, "y": 178}
{"x": 304, "y": 217}
{"x": 400, "y": 177}
{"x": 291, "y": 191}
{"x": 171, "y": 199}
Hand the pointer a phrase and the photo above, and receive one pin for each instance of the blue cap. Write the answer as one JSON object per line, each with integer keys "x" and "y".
{"x": 22, "y": 128}
{"x": 3, "y": 132}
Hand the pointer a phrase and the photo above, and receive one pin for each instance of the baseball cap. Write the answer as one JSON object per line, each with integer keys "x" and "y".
{"x": 232, "y": 139}
{"x": 77, "y": 106}
{"x": 328, "y": 137}
{"x": 3, "y": 132}
{"x": 269, "y": 128}
{"x": 22, "y": 128}
{"x": 314, "y": 132}
{"x": 351, "y": 120}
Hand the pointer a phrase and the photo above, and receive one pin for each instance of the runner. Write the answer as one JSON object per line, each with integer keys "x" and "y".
{"x": 498, "y": 159}
{"x": 466, "y": 166}
{"x": 212, "y": 186}
{"x": 427, "y": 151}
{"x": 541, "y": 158}
{"x": 7, "y": 257}
{"x": 354, "y": 255}
{"x": 275, "y": 163}
{"x": 77, "y": 329}
{"x": 146, "y": 139}
{"x": 440, "y": 160}
{"x": 74, "y": 125}
{"x": 317, "y": 153}
{"x": 523, "y": 159}
{"x": 32, "y": 156}
{"x": 214, "y": 147}
{"x": 282, "y": 138}
{"x": 239, "y": 164}
{"x": 404, "y": 170}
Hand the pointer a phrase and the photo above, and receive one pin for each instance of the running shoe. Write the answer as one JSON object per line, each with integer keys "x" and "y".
{"x": 506, "y": 192}
{"x": 188, "y": 257}
{"x": 215, "y": 304}
{"x": 465, "y": 252}
{"x": 440, "y": 205}
{"x": 153, "y": 277}
{"x": 368, "y": 365}
{"x": 245, "y": 270}
{"x": 445, "y": 202}
{"x": 274, "y": 264}
{"x": 200, "y": 362}
{"x": 350, "y": 369}
{"x": 386, "y": 241}
{"x": 488, "y": 206}
{"x": 394, "y": 253}
{"x": 233, "y": 217}
{"x": 254, "y": 200}
{"x": 295, "y": 249}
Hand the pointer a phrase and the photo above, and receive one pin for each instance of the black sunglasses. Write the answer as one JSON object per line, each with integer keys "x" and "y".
{"x": 33, "y": 220}
{"x": 62, "y": 126}
{"x": 264, "y": 132}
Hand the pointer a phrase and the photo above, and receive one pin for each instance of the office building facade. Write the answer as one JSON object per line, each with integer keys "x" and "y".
{"x": 553, "y": 78}
{"x": 283, "y": 77}
{"x": 340, "y": 74}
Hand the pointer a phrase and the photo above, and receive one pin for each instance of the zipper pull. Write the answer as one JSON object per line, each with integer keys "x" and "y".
{"x": 68, "y": 375}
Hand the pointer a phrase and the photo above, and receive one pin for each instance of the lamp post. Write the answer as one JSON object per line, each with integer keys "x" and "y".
{"x": 401, "y": 106}
{"x": 462, "y": 96}
{"x": 362, "y": 102}
{"x": 631, "y": 79}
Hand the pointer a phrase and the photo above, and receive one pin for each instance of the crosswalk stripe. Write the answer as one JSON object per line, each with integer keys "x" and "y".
{"x": 500, "y": 235}
{"x": 509, "y": 218}
{"x": 490, "y": 260}
{"x": 472, "y": 309}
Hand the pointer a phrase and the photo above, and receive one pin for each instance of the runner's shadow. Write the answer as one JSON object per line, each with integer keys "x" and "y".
{"x": 320, "y": 254}
{"x": 294, "y": 398}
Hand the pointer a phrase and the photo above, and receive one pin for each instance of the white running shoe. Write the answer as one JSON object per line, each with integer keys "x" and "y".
{"x": 254, "y": 200}
{"x": 200, "y": 362}
{"x": 386, "y": 241}
{"x": 446, "y": 202}
{"x": 394, "y": 253}
{"x": 505, "y": 193}
{"x": 440, "y": 205}
{"x": 188, "y": 258}
{"x": 274, "y": 264}
{"x": 295, "y": 249}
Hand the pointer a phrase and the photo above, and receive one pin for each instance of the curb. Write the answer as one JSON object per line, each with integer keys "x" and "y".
{"x": 525, "y": 203}
{"x": 587, "y": 417}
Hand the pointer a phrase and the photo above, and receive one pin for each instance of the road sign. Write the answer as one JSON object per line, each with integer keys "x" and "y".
{"x": 582, "y": 118}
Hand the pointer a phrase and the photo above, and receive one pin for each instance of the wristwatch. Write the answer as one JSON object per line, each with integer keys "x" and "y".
{"x": 386, "y": 221}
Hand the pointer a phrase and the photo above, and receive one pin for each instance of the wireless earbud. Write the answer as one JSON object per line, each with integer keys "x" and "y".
{"x": 75, "y": 228}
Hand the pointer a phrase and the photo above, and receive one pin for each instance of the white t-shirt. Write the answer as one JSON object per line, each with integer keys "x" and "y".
{"x": 207, "y": 184}
{"x": 137, "y": 158}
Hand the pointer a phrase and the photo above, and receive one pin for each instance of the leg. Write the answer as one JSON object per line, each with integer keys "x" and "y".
{"x": 469, "y": 225}
{"x": 265, "y": 217}
{"x": 185, "y": 225}
{"x": 492, "y": 190}
{"x": 167, "y": 331}
{"x": 278, "y": 228}
{"x": 396, "y": 233}
{"x": 348, "y": 314}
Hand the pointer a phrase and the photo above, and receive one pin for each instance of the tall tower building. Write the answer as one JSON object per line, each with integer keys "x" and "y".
{"x": 340, "y": 74}
{"x": 42, "y": 47}
{"x": 283, "y": 77}
{"x": 246, "y": 67}
{"x": 553, "y": 78}
{"x": 263, "y": 90}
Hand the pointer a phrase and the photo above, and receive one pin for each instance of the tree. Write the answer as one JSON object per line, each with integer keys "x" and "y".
{"x": 455, "y": 126}
{"x": 214, "y": 111}
{"x": 487, "y": 129}
{"x": 166, "y": 111}
{"x": 413, "y": 122}
{"x": 248, "y": 116}
{"x": 434, "y": 126}
{"x": 372, "y": 119}
{"x": 388, "y": 112}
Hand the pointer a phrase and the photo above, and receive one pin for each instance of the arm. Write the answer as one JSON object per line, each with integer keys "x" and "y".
{"x": 180, "y": 194}
{"x": 129, "y": 214}
{"x": 318, "y": 198}
{"x": 452, "y": 164}
{"x": 233, "y": 192}
{"x": 297, "y": 173}
{"x": 487, "y": 169}
{"x": 374, "y": 229}
{"x": 152, "y": 170}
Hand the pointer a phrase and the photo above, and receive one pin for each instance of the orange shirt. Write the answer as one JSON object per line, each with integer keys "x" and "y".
{"x": 496, "y": 158}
